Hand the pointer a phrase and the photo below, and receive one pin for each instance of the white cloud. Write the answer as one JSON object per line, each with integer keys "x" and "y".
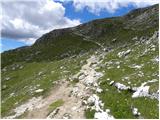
{"x": 27, "y": 20}
{"x": 96, "y": 6}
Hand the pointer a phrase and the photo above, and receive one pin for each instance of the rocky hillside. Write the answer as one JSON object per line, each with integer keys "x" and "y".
{"x": 105, "y": 69}
{"x": 88, "y": 36}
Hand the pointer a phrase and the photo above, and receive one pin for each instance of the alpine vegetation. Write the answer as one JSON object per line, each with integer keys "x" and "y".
{"x": 103, "y": 69}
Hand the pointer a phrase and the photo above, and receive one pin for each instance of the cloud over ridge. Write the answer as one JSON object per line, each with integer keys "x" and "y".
{"x": 27, "y": 20}
{"x": 96, "y": 6}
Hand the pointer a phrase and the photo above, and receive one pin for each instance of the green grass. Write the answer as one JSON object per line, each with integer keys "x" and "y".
{"x": 56, "y": 104}
{"x": 120, "y": 103}
{"x": 64, "y": 46}
{"x": 89, "y": 113}
{"x": 24, "y": 82}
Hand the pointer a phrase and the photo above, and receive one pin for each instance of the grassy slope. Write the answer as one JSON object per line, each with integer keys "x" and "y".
{"x": 62, "y": 47}
{"x": 23, "y": 82}
{"x": 120, "y": 102}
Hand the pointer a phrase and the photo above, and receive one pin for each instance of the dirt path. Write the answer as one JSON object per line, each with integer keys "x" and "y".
{"x": 59, "y": 92}
{"x": 74, "y": 96}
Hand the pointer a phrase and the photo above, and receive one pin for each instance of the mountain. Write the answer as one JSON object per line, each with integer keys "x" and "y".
{"x": 112, "y": 62}
{"x": 85, "y": 37}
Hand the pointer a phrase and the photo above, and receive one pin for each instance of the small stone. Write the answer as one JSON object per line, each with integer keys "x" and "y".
{"x": 4, "y": 70}
{"x": 111, "y": 83}
{"x": 106, "y": 89}
{"x": 118, "y": 66}
{"x": 39, "y": 90}
{"x": 13, "y": 68}
{"x": 95, "y": 84}
{"x": 40, "y": 73}
{"x": 21, "y": 67}
{"x": 84, "y": 102}
{"x": 81, "y": 77}
{"x": 135, "y": 112}
{"x": 66, "y": 116}
{"x": 4, "y": 87}
{"x": 99, "y": 90}
{"x": 74, "y": 108}
{"x": 7, "y": 78}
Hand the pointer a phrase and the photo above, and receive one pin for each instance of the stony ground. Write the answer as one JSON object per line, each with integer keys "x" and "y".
{"x": 120, "y": 83}
{"x": 77, "y": 98}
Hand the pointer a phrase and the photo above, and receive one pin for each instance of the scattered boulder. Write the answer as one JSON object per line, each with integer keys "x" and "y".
{"x": 120, "y": 86}
{"x": 127, "y": 52}
{"x": 4, "y": 69}
{"x": 135, "y": 112}
{"x": 95, "y": 84}
{"x": 39, "y": 90}
{"x": 95, "y": 103}
{"x": 118, "y": 66}
{"x": 12, "y": 94}
{"x": 74, "y": 108}
{"x": 143, "y": 90}
{"x": 16, "y": 66}
{"x": 135, "y": 38}
{"x": 111, "y": 83}
{"x": 91, "y": 100}
{"x": 114, "y": 40}
{"x": 81, "y": 76}
{"x": 7, "y": 78}
{"x": 124, "y": 53}
{"x": 61, "y": 67}
{"x": 108, "y": 79}
{"x": 99, "y": 90}
{"x": 4, "y": 87}
{"x": 21, "y": 67}
{"x": 84, "y": 102}
{"x": 40, "y": 73}
{"x": 103, "y": 115}
{"x": 13, "y": 68}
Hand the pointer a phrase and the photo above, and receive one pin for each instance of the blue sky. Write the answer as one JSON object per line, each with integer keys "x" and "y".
{"x": 86, "y": 16}
{"x": 8, "y": 44}
{"x": 62, "y": 11}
